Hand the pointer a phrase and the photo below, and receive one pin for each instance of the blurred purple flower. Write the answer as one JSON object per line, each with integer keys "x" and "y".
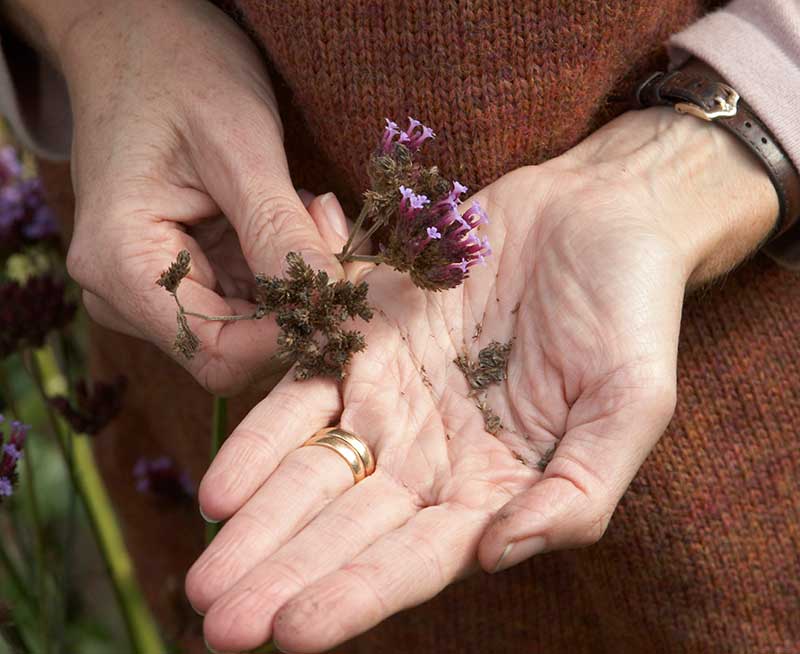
{"x": 10, "y": 165}
{"x": 29, "y": 311}
{"x": 94, "y": 406}
{"x": 161, "y": 477}
{"x": 11, "y": 453}
{"x": 25, "y": 218}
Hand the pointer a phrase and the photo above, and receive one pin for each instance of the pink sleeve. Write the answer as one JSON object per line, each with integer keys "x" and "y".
{"x": 755, "y": 46}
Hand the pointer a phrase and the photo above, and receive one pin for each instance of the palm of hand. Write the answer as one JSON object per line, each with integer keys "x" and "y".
{"x": 594, "y": 329}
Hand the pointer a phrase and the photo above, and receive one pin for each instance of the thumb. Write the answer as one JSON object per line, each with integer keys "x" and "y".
{"x": 248, "y": 177}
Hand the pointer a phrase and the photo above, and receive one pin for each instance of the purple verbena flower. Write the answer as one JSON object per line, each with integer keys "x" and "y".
{"x": 411, "y": 200}
{"x": 11, "y": 454}
{"x": 434, "y": 242}
{"x": 10, "y": 165}
{"x": 390, "y": 131}
{"x": 25, "y": 217}
{"x": 161, "y": 477}
{"x": 412, "y": 137}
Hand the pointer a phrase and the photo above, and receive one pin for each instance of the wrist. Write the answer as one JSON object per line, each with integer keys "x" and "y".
{"x": 708, "y": 192}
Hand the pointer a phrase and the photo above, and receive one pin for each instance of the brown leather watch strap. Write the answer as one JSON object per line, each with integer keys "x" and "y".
{"x": 698, "y": 89}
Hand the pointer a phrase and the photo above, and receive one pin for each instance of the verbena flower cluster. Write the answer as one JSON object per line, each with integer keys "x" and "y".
{"x": 428, "y": 236}
{"x": 30, "y": 310}
{"x": 25, "y": 218}
{"x": 94, "y": 407}
{"x": 10, "y": 454}
{"x": 161, "y": 477}
{"x": 416, "y": 215}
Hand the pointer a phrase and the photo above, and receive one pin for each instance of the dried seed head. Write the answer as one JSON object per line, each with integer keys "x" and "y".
{"x": 186, "y": 341}
{"x": 171, "y": 278}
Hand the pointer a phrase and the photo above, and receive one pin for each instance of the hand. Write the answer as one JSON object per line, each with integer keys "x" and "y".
{"x": 593, "y": 253}
{"x": 178, "y": 144}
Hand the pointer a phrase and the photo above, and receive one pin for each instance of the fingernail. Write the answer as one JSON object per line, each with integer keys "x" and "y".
{"x": 206, "y": 518}
{"x": 319, "y": 261}
{"x": 200, "y": 613}
{"x": 278, "y": 647}
{"x": 507, "y": 549}
{"x": 334, "y": 214}
{"x": 522, "y": 549}
{"x": 208, "y": 647}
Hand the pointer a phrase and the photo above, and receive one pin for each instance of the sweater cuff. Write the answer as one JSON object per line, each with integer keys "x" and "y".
{"x": 755, "y": 46}
{"x": 34, "y": 99}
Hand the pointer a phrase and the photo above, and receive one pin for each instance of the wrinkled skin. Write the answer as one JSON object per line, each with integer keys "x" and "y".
{"x": 588, "y": 285}
{"x": 178, "y": 144}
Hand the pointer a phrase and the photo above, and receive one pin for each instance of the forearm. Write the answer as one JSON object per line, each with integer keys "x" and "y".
{"x": 721, "y": 202}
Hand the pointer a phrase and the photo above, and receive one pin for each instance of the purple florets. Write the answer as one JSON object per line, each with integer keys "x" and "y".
{"x": 11, "y": 454}
{"x": 161, "y": 477}
{"x": 436, "y": 244}
{"x": 412, "y": 137}
{"x": 25, "y": 219}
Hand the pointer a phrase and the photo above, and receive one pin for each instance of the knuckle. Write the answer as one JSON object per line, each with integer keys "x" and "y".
{"x": 93, "y": 308}
{"x": 78, "y": 262}
{"x": 274, "y": 222}
{"x": 215, "y": 374}
{"x": 594, "y": 527}
{"x": 662, "y": 398}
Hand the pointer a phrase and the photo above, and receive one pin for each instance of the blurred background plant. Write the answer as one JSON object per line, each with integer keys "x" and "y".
{"x": 67, "y": 583}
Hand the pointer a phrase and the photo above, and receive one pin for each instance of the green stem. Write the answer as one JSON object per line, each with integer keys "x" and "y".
{"x": 20, "y": 588}
{"x": 219, "y": 423}
{"x": 38, "y": 529}
{"x": 41, "y": 572}
{"x": 142, "y": 628}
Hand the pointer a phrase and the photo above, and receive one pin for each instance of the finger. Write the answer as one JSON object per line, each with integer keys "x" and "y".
{"x": 249, "y": 179}
{"x": 306, "y": 197}
{"x": 106, "y": 315}
{"x": 306, "y": 481}
{"x": 330, "y": 220}
{"x": 123, "y": 270}
{"x": 280, "y": 423}
{"x": 242, "y": 618}
{"x": 402, "y": 569}
{"x": 590, "y": 470}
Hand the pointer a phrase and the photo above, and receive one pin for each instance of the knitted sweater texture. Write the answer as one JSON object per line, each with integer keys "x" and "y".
{"x": 703, "y": 553}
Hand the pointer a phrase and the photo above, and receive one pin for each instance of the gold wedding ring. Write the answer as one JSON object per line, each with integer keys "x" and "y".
{"x": 348, "y": 446}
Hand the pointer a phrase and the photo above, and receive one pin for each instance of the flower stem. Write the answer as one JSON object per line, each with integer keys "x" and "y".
{"x": 142, "y": 629}
{"x": 219, "y": 423}
{"x": 251, "y": 316}
{"x": 362, "y": 215}
{"x": 7, "y": 564}
{"x": 38, "y": 529}
{"x": 372, "y": 258}
{"x": 367, "y": 235}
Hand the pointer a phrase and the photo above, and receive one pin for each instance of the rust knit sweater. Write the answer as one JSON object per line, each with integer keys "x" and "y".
{"x": 702, "y": 554}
